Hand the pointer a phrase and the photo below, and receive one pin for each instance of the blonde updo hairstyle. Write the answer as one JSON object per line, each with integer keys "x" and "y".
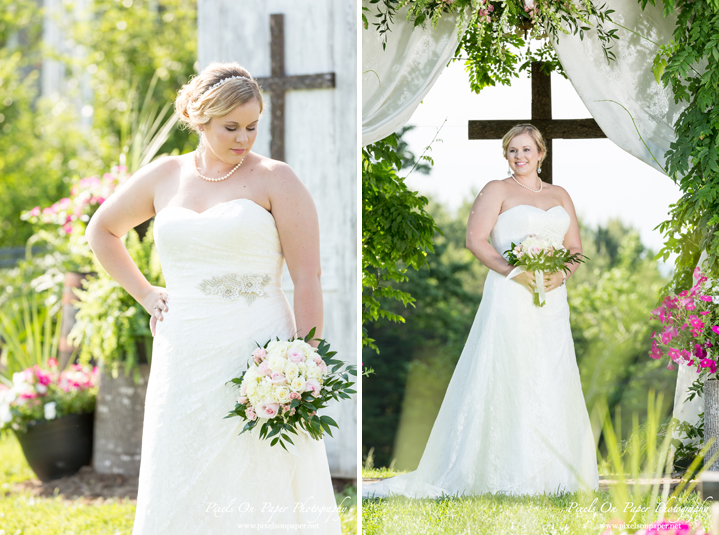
{"x": 198, "y": 101}
{"x": 525, "y": 129}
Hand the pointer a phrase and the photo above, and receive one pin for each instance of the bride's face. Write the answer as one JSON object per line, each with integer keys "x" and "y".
{"x": 523, "y": 155}
{"x": 231, "y": 137}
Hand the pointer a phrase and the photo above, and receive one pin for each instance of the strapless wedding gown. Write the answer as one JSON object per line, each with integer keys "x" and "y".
{"x": 222, "y": 269}
{"x": 513, "y": 419}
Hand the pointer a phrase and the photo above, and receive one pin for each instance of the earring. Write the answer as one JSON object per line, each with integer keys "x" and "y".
{"x": 539, "y": 169}
{"x": 200, "y": 145}
{"x": 509, "y": 170}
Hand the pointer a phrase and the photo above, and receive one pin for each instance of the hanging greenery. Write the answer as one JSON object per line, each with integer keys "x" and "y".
{"x": 686, "y": 66}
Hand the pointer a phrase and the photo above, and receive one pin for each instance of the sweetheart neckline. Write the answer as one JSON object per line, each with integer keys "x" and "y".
{"x": 532, "y": 206}
{"x": 215, "y": 206}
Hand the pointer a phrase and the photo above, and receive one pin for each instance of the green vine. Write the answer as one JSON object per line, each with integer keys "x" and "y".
{"x": 686, "y": 66}
{"x": 492, "y": 31}
{"x": 397, "y": 232}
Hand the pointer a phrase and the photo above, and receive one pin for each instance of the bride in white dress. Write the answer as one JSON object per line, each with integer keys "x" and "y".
{"x": 226, "y": 220}
{"x": 513, "y": 419}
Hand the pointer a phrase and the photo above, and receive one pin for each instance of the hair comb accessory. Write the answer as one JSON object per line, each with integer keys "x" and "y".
{"x": 223, "y": 81}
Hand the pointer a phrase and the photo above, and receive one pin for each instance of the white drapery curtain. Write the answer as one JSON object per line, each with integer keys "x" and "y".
{"x": 650, "y": 111}
{"x": 629, "y": 81}
{"x": 395, "y": 80}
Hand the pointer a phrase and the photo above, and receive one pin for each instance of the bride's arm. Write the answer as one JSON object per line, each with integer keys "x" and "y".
{"x": 298, "y": 227}
{"x": 482, "y": 218}
{"x": 572, "y": 240}
{"x": 131, "y": 204}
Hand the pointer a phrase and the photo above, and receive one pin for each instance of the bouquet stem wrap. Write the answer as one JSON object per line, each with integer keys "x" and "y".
{"x": 539, "y": 291}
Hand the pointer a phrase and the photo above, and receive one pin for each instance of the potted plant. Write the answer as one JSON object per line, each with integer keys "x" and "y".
{"x": 112, "y": 328}
{"x": 51, "y": 413}
{"x": 690, "y": 335}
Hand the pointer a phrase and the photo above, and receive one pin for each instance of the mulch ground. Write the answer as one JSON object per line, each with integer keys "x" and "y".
{"x": 90, "y": 486}
{"x": 86, "y": 485}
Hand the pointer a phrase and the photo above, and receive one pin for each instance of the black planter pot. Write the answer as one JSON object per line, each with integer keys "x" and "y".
{"x": 58, "y": 448}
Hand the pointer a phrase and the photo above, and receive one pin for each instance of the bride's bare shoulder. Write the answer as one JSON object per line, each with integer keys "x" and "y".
{"x": 494, "y": 189}
{"x": 275, "y": 173}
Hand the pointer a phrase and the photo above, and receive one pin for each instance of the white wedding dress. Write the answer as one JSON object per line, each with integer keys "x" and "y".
{"x": 222, "y": 269}
{"x": 513, "y": 419}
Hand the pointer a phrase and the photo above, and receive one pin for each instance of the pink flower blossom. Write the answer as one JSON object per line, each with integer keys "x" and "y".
{"x": 670, "y": 367}
{"x": 656, "y": 353}
{"x": 715, "y": 328}
{"x": 295, "y": 395}
{"x": 264, "y": 368}
{"x": 250, "y": 414}
{"x": 314, "y": 385}
{"x": 696, "y": 322}
{"x": 674, "y": 354}
{"x": 668, "y": 334}
{"x": 295, "y": 354}
{"x": 706, "y": 298}
{"x": 278, "y": 378}
{"x": 708, "y": 363}
{"x": 267, "y": 409}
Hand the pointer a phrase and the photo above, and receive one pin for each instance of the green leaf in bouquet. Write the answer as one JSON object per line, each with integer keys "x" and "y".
{"x": 274, "y": 431}
{"x": 274, "y": 441}
{"x": 310, "y": 334}
{"x": 329, "y": 421}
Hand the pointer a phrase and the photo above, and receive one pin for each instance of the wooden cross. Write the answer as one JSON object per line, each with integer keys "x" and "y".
{"x": 277, "y": 84}
{"x": 542, "y": 119}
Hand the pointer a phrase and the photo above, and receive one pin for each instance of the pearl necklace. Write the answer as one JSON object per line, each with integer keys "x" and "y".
{"x": 525, "y": 187}
{"x": 217, "y": 179}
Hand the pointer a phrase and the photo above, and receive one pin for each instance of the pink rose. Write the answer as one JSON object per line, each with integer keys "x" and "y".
{"x": 278, "y": 378}
{"x": 318, "y": 359}
{"x": 295, "y": 354}
{"x": 251, "y": 414}
{"x": 264, "y": 368}
{"x": 314, "y": 385}
{"x": 286, "y": 407}
{"x": 242, "y": 400}
{"x": 266, "y": 409}
{"x": 322, "y": 366}
{"x": 259, "y": 353}
{"x": 295, "y": 395}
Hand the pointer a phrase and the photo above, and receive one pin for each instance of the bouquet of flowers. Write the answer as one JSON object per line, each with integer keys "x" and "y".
{"x": 285, "y": 384}
{"x": 540, "y": 253}
{"x": 690, "y": 326}
{"x": 37, "y": 394}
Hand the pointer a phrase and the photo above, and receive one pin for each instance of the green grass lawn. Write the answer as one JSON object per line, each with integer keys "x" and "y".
{"x": 21, "y": 513}
{"x": 530, "y": 515}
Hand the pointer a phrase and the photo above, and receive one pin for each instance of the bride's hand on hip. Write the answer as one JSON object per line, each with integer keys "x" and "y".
{"x": 526, "y": 279}
{"x": 155, "y": 303}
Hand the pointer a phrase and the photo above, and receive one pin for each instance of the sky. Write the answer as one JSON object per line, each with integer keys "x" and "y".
{"x": 603, "y": 181}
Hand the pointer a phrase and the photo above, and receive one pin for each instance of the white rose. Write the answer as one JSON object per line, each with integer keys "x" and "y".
{"x": 292, "y": 370}
{"x": 314, "y": 373}
{"x": 282, "y": 394}
{"x": 277, "y": 349}
{"x": 298, "y": 384}
{"x": 277, "y": 364}
{"x": 50, "y": 411}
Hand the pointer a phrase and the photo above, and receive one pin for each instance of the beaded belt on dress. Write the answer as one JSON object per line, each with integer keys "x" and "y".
{"x": 233, "y": 286}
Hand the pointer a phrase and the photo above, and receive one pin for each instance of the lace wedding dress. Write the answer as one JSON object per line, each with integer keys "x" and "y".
{"x": 222, "y": 269}
{"x": 513, "y": 419}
